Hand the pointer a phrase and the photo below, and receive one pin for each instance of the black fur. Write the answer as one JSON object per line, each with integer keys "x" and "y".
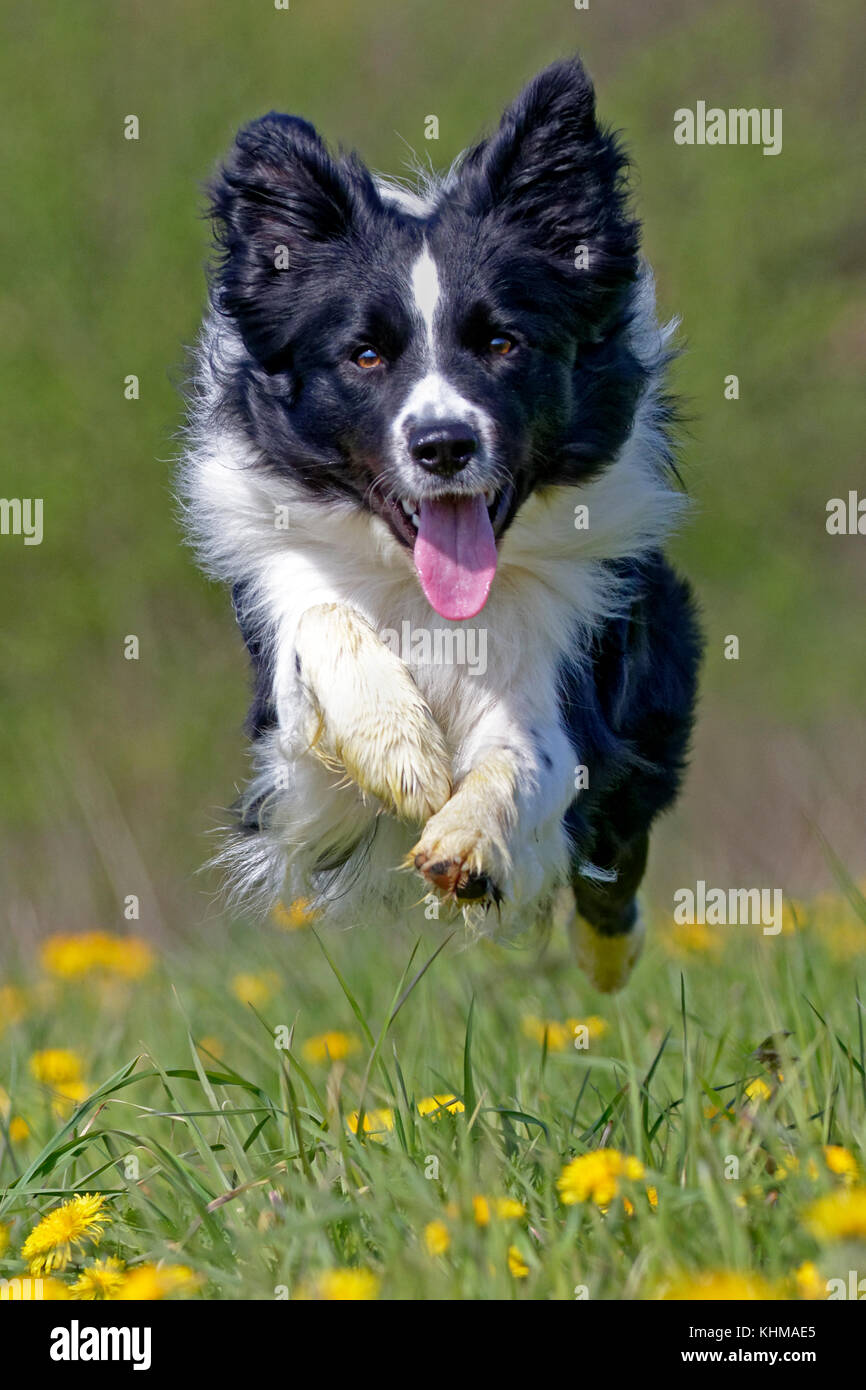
{"x": 259, "y": 643}
{"x": 630, "y": 718}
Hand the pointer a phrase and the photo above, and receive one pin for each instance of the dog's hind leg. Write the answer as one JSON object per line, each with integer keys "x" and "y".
{"x": 607, "y": 931}
{"x": 630, "y": 715}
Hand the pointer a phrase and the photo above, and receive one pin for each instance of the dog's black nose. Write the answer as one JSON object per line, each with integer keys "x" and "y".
{"x": 443, "y": 448}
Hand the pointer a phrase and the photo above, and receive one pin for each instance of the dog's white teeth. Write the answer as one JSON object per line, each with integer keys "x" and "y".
{"x": 407, "y": 506}
{"x": 416, "y": 520}
{"x": 490, "y": 497}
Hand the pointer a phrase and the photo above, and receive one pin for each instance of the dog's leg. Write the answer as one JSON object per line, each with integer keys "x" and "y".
{"x": 366, "y": 716}
{"x": 608, "y": 930}
{"x": 631, "y": 716}
{"x": 464, "y": 851}
{"x": 489, "y": 842}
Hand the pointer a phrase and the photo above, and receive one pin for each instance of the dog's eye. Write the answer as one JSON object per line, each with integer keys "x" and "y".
{"x": 368, "y": 358}
{"x": 500, "y": 344}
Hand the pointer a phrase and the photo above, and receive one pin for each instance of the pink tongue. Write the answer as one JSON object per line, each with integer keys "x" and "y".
{"x": 455, "y": 555}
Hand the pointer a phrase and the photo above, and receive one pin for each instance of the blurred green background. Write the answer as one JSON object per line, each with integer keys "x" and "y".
{"x": 113, "y": 771}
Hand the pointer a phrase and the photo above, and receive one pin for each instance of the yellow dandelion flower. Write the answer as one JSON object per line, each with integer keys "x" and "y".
{"x": 60, "y": 1234}
{"x": 148, "y": 1282}
{"x": 257, "y": 990}
{"x": 719, "y": 1286}
{"x": 131, "y": 958}
{"x": 840, "y": 1215}
{"x": 67, "y": 1096}
{"x": 558, "y": 1035}
{"x": 60, "y": 1069}
{"x": 758, "y": 1090}
{"x": 481, "y": 1211}
{"x": 13, "y": 1006}
{"x": 329, "y": 1047}
{"x": 56, "y": 1066}
{"x": 69, "y": 957}
{"x": 433, "y": 1106}
{"x": 517, "y": 1266}
{"x": 214, "y": 1046}
{"x": 693, "y": 939}
{"x": 841, "y": 1161}
{"x": 4, "y": 1237}
{"x": 296, "y": 916}
{"x": 341, "y": 1286}
{"x": 72, "y": 1090}
{"x": 508, "y": 1208}
{"x": 54, "y": 1290}
{"x": 561, "y": 1036}
{"x": 503, "y": 1208}
{"x": 808, "y": 1281}
{"x": 96, "y": 952}
{"x": 63, "y": 1106}
{"x": 595, "y": 1176}
{"x": 595, "y": 1026}
{"x": 377, "y": 1123}
{"x": 102, "y": 1279}
{"x": 437, "y": 1237}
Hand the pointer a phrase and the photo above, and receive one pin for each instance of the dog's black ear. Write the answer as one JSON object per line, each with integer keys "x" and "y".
{"x": 554, "y": 171}
{"x": 277, "y": 203}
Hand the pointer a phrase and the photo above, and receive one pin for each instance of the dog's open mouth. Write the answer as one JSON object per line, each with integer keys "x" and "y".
{"x": 453, "y": 543}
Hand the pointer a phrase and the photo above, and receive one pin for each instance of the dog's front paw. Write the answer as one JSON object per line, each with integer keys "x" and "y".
{"x": 461, "y": 860}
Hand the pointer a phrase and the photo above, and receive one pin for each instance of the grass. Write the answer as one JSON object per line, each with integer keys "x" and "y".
{"x": 221, "y": 1131}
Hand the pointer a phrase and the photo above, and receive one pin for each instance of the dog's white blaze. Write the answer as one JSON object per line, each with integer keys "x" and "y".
{"x": 433, "y": 398}
{"x": 425, "y": 291}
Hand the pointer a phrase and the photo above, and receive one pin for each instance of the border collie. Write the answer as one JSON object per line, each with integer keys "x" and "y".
{"x": 427, "y": 418}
